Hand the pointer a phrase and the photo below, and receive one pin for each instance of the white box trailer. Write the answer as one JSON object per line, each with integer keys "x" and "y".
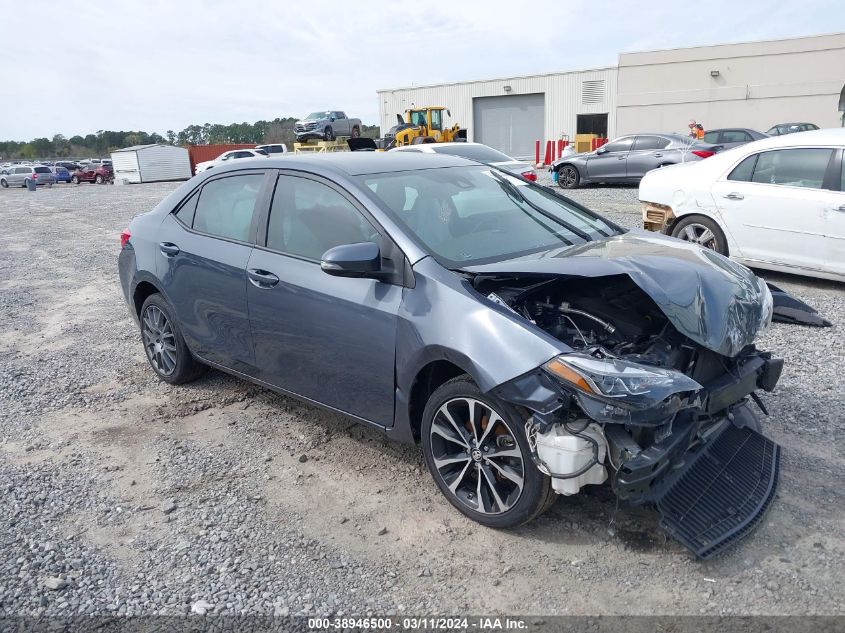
{"x": 151, "y": 163}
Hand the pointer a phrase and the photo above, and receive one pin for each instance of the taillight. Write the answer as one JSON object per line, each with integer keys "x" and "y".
{"x": 124, "y": 238}
{"x": 530, "y": 175}
{"x": 35, "y": 176}
{"x": 702, "y": 153}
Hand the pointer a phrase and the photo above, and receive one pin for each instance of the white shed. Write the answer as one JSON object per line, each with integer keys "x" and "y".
{"x": 150, "y": 163}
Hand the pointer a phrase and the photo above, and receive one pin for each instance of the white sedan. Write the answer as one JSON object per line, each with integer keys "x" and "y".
{"x": 776, "y": 204}
{"x": 230, "y": 155}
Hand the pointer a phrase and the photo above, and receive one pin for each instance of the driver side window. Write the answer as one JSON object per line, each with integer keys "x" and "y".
{"x": 307, "y": 218}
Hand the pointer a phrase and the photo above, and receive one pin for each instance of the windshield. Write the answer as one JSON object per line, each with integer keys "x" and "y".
{"x": 481, "y": 153}
{"x": 475, "y": 215}
{"x": 318, "y": 115}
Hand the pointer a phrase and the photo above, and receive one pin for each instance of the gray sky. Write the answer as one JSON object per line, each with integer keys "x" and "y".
{"x": 78, "y": 67}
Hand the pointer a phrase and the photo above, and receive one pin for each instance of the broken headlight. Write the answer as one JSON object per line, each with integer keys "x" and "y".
{"x": 623, "y": 383}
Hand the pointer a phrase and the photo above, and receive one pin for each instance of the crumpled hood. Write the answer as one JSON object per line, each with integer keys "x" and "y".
{"x": 707, "y": 297}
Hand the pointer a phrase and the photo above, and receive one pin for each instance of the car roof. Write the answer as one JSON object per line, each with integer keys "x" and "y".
{"x": 830, "y": 136}
{"x": 359, "y": 163}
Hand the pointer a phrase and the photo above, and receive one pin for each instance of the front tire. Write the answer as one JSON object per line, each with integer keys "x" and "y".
{"x": 328, "y": 134}
{"x": 476, "y": 451}
{"x": 4, "y": 184}
{"x": 98, "y": 179}
{"x": 703, "y": 231}
{"x": 568, "y": 177}
{"x": 164, "y": 345}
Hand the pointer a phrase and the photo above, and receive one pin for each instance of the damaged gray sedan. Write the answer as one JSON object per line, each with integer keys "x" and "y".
{"x": 530, "y": 346}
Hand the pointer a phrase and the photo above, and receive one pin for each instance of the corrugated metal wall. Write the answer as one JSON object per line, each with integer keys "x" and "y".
{"x": 164, "y": 162}
{"x": 125, "y": 165}
{"x": 563, "y": 98}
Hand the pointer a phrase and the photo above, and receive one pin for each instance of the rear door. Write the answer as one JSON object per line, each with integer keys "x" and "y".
{"x": 774, "y": 203}
{"x": 609, "y": 161}
{"x": 645, "y": 155}
{"x": 329, "y": 339}
{"x": 204, "y": 248}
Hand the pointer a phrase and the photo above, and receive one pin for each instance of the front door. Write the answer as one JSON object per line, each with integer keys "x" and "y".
{"x": 608, "y": 162}
{"x": 204, "y": 249}
{"x": 329, "y": 339}
{"x": 774, "y": 203}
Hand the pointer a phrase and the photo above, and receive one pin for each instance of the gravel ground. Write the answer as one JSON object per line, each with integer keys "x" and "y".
{"x": 124, "y": 495}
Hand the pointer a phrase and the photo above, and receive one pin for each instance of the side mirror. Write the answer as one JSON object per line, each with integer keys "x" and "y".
{"x": 352, "y": 260}
{"x": 601, "y": 150}
{"x": 332, "y": 119}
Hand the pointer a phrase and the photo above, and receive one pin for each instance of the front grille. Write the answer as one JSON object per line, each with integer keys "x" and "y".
{"x": 724, "y": 494}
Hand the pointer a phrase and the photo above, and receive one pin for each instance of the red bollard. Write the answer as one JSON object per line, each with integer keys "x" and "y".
{"x": 549, "y": 150}
{"x": 559, "y": 147}
{"x": 536, "y": 152}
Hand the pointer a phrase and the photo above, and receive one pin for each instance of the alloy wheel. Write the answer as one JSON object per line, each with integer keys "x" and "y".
{"x": 159, "y": 340}
{"x": 699, "y": 234}
{"x": 476, "y": 455}
{"x": 569, "y": 176}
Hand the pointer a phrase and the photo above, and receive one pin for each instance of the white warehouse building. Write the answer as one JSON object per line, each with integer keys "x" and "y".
{"x": 753, "y": 84}
{"x": 512, "y": 113}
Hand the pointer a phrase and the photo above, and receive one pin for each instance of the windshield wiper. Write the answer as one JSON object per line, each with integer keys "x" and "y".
{"x": 514, "y": 193}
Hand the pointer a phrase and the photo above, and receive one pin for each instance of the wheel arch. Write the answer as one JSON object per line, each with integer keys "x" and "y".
{"x": 142, "y": 290}
{"x": 427, "y": 380}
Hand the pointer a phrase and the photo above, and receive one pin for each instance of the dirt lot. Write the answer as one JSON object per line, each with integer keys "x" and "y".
{"x": 122, "y": 494}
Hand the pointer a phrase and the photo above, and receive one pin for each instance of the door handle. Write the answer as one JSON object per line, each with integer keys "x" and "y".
{"x": 261, "y": 278}
{"x": 169, "y": 249}
{"x": 622, "y": 158}
{"x": 841, "y": 207}
{"x": 657, "y": 154}
{"x": 734, "y": 196}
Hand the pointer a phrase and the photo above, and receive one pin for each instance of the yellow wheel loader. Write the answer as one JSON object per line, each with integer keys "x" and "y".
{"x": 420, "y": 125}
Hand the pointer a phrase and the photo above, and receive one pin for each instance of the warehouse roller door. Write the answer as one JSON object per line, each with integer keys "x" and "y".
{"x": 511, "y": 124}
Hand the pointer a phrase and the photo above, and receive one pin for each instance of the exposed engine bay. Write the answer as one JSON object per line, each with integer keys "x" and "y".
{"x": 639, "y": 403}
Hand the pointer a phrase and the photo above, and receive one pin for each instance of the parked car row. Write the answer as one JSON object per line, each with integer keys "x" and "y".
{"x": 21, "y": 175}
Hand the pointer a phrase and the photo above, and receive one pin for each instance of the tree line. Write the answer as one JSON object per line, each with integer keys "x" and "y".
{"x": 279, "y": 130}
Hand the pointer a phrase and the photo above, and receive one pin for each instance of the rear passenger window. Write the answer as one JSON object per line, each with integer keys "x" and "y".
{"x": 186, "y": 213}
{"x": 744, "y": 170}
{"x": 793, "y": 167}
{"x": 734, "y": 136}
{"x": 226, "y": 206}
{"x": 650, "y": 142}
{"x": 308, "y": 218}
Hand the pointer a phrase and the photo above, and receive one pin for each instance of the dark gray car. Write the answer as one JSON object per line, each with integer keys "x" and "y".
{"x": 628, "y": 158}
{"x": 529, "y": 345}
{"x": 733, "y": 137}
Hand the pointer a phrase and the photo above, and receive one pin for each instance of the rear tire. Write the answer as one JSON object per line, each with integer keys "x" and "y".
{"x": 356, "y": 132}
{"x": 4, "y": 184}
{"x": 164, "y": 346}
{"x": 568, "y": 177}
{"x": 487, "y": 445}
{"x": 75, "y": 180}
{"x": 98, "y": 179}
{"x": 703, "y": 231}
